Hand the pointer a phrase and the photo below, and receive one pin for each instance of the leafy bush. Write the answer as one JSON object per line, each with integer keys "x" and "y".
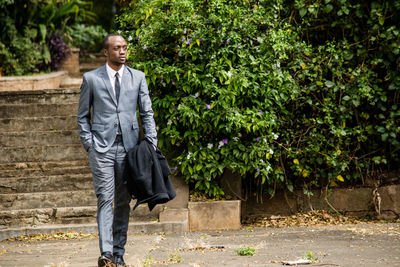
{"x": 290, "y": 94}
{"x": 29, "y": 31}
{"x": 88, "y": 38}
{"x": 20, "y": 55}
{"x": 59, "y": 51}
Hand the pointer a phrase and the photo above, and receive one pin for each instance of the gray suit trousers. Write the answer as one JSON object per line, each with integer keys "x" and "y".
{"x": 107, "y": 171}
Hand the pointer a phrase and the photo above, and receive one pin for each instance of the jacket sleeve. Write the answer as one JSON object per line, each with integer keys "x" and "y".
{"x": 146, "y": 113}
{"x": 85, "y": 103}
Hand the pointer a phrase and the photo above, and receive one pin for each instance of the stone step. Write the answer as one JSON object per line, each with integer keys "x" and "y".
{"x": 32, "y": 184}
{"x": 38, "y": 200}
{"x": 37, "y": 171}
{"x": 44, "y": 166}
{"x": 42, "y": 153}
{"x": 39, "y": 138}
{"x": 91, "y": 228}
{"x": 38, "y": 123}
{"x": 69, "y": 215}
{"x": 38, "y": 109}
{"x": 64, "y": 95}
{"x": 30, "y": 217}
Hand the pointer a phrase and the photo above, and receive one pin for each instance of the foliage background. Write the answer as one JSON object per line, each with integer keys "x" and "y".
{"x": 290, "y": 94}
{"x": 36, "y": 34}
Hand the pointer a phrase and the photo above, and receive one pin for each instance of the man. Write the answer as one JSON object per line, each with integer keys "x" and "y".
{"x": 113, "y": 92}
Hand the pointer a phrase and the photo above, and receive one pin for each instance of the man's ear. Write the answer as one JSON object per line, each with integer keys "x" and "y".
{"x": 105, "y": 52}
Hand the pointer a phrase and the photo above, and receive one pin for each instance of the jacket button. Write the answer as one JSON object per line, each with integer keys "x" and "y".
{"x": 118, "y": 110}
{"x": 115, "y": 125}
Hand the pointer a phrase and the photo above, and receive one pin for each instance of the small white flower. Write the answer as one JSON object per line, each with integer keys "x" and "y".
{"x": 268, "y": 168}
{"x": 169, "y": 122}
{"x": 265, "y": 140}
{"x": 119, "y": 31}
{"x": 271, "y": 151}
{"x": 197, "y": 95}
{"x": 275, "y": 136}
{"x": 239, "y": 134}
{"x": 188, "y": 156}
{"x": 220, "y": 144}
{"x": 209, "y": 146}
{"x": 235, "y": 139}
{"x": 261, "y": 161}
{"x": 229, "y": 74}
{"x": 272, "y": 120}
{"x": 130, "y": 38}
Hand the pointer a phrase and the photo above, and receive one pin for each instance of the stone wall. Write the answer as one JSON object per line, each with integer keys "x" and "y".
{"x": 36, "y": 82}
{"x": 356, "y": 201}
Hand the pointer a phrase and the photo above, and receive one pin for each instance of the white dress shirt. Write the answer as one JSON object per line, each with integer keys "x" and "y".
{"x": 111, "y": 75}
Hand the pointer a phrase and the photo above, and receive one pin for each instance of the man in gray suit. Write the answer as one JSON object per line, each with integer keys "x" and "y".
{"x": 108, "y": 128}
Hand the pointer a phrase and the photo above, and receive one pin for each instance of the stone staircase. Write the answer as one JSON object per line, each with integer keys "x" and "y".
{"x": 45, "y": 179}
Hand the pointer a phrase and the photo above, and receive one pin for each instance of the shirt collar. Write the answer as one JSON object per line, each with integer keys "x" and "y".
{"x": 111, "y": 72}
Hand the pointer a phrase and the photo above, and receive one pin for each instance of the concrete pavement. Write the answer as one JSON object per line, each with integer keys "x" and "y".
{"x": 338, "y": 245}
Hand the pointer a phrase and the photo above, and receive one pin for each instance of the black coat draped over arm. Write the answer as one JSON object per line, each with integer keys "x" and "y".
{"x": 147, "y": 175}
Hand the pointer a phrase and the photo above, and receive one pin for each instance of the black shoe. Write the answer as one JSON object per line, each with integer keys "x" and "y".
{"x": 105, "y": 260}
{"x": 119, "y": 261}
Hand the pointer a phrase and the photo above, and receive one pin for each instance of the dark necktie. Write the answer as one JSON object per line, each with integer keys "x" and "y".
{"x": 117, "y": 86}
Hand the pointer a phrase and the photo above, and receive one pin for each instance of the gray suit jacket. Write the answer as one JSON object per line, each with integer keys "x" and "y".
{"x": 97, "y": 95}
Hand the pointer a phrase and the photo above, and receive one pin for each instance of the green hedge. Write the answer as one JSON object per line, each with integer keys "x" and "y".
{"x": 290, "y": 94}
{"x": 34, "y": 33}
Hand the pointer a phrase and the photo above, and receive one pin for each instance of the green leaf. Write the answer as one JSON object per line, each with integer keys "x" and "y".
{"x": 328, "y": 8}
{"x": 329, "y": 84}
{"x": 303, "y": 12}
{"x": 43, "y": 31}
{"x": 290, "y": 187}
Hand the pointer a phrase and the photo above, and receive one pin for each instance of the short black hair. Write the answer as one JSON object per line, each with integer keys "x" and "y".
{"x": 105, "y": 41}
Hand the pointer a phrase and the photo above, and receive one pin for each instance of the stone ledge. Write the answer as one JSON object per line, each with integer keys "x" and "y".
{"x": 91, "y": 228}
{"x": 37, "y": 82}
{"x": 214, "y": 215}
{"x": 349, "y": 201}
{"x": 175, "y": 215}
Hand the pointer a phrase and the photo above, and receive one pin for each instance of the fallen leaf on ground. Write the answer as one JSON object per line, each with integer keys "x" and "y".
{"x": 55, "y": 236}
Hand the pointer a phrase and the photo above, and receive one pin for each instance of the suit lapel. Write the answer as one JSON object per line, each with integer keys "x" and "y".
{"x": 107, "y": 82}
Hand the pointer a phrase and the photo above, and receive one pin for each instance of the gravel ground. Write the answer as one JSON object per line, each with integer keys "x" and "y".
{"x": 362, "y": 244}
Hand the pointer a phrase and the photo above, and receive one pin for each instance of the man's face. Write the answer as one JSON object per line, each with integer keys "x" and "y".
{"x": 116, "y": 51}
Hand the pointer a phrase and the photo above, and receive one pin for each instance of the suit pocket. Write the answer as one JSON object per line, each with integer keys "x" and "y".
{"x": 135, "y": 126}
